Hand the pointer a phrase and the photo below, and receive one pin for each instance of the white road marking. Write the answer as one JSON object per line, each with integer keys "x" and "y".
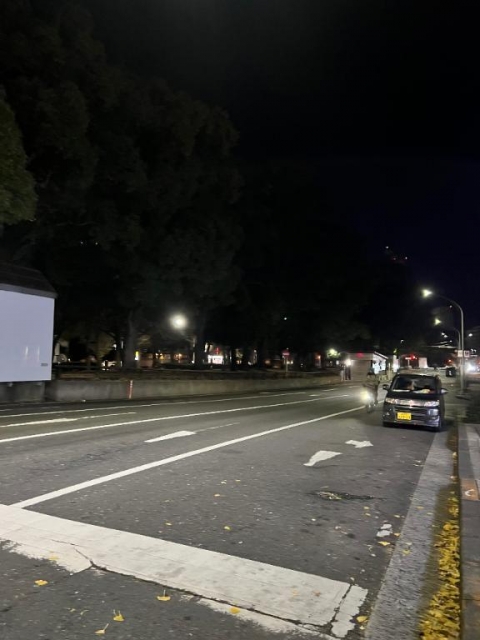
{"x": 360, "y": 445}
{"x": 345, "y": 617}
{"x": 34, "y": 422}
{"x": 182, "y": 456}
{"x": 105, "y": 415}
{"x": 319, "y": 456}
{"x": 273, "y": 625}
{"x": 222, "y": 426}
{"x": 271, "y": 590}
{"x": 385, "y": 531}
{"x": 159, "y": 419}
{"x": 170, "y": 436}
{"x": 164, "y": 403}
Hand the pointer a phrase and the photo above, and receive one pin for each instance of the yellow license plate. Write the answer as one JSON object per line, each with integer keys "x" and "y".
{"x": 404, "y": 416}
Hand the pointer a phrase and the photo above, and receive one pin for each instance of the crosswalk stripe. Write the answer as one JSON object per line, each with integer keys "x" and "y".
{"x": 271, "y": 590}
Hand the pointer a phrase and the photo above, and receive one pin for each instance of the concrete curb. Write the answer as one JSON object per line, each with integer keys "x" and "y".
{"x": 469, "y": 476}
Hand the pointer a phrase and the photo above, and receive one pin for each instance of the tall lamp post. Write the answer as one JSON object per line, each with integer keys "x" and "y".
{"x": 426, "y": 293}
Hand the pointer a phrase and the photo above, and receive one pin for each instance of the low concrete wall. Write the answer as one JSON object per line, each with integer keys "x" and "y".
{"x": 89, "y": 390}
{"x": 22, "y": 392}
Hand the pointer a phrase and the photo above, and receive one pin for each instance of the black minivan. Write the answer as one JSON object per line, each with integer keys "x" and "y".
{"x": 414, "y": 399}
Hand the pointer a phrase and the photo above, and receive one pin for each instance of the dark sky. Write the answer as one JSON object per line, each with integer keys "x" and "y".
{"x": 377, "y": 99}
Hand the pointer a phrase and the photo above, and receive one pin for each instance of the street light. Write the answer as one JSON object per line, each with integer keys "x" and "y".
{"x": 178, "y": 321}
{"x": 426, "y": 293}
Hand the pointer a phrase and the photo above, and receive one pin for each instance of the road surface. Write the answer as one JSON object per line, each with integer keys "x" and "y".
{"x": 250, "y": 517}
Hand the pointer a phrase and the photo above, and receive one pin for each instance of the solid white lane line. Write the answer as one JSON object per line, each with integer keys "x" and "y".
{"x": 281, "y": 593}
{"x": 104, "y": 415}
{"x": 170, "y": 436}
{"x": 320, "y": 456}
{"x": 160, "y": 419}
{"x": 182, "y": 456}
{"x": 164, "y": 403}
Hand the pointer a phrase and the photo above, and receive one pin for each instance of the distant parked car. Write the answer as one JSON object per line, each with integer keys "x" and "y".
{"x": 414, "y": 399}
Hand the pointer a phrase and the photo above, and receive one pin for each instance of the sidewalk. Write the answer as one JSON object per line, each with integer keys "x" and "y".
{"x": 469, "y": 476}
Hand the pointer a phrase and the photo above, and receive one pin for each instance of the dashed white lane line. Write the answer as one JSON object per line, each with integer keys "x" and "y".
{"x": 183, "y": 434}
{"x": 320, "y": 456}
{"x": 170, "y": 436}
{"x": 267, "y": 589}
{"x": 221, "y": 426}
{"x": 56, "y": 420}
{"x": 182, "y": 456}
{"x": 162, "y": 418}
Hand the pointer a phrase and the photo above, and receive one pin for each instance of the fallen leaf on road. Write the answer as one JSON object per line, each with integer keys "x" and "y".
{"x": 164, "y": 598}
{"x": 420, "y": 507}
{"x": 369, "y": 515}
{"x": 118, "y": 616}
{"x": 366, "y": 508}
{"x": 362, "y": 619}
{"x": 397, "y": 535}
{"x": 168, "y": 524}
{"x": 41, "y": 583}
{"x": 101, "y": 632}
{"x": 217, "y": 495}
{"x": 396, "y": 516}
{"x": 237, "y": 480}
{"x": 72, "y": 610}
{"x": 227, "y": 528}
{"x": 384, "y": 544}
{"x": 234, "y": 610}
{"x": 406, "y": 552}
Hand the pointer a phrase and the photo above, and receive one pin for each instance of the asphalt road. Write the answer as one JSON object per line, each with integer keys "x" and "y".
{"x": 258, "y": 516}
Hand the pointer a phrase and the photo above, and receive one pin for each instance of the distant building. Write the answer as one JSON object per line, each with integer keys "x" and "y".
{"x": 363, "y": 362}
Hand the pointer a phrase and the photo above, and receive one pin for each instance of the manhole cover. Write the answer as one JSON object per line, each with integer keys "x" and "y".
{"x": 339, "y": 495}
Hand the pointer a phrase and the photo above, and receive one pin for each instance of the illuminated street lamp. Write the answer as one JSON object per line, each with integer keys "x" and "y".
{"x": 427, "y": 293}
{"x": 178, "y": 322}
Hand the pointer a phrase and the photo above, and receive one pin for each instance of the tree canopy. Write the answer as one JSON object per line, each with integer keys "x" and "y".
{"x": 17, "y": 192}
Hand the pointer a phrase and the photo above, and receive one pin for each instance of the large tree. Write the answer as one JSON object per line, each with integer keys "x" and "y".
{"x": 137, "y": 189}
{"x": 17, "y": 192}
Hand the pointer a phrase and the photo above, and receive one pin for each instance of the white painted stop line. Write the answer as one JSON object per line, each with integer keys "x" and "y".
{"x": 271, "y": 590}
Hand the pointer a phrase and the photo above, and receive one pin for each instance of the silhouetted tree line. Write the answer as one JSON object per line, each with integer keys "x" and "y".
{"x": 130, "y": 198}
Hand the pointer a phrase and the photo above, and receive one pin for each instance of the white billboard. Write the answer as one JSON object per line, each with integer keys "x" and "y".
{"x": 26, "y": 337}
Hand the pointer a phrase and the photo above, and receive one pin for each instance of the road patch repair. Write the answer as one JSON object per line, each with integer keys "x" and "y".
{"x": 312, "y": 603}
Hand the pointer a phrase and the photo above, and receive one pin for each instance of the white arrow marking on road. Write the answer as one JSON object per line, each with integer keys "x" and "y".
{"x": 360, "y": 445}
{"x": 319, "y": 456}
{"x": 169, "y": 436}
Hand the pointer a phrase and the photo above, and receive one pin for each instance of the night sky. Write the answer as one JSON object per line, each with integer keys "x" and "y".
{"x": 375, "y": 101}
